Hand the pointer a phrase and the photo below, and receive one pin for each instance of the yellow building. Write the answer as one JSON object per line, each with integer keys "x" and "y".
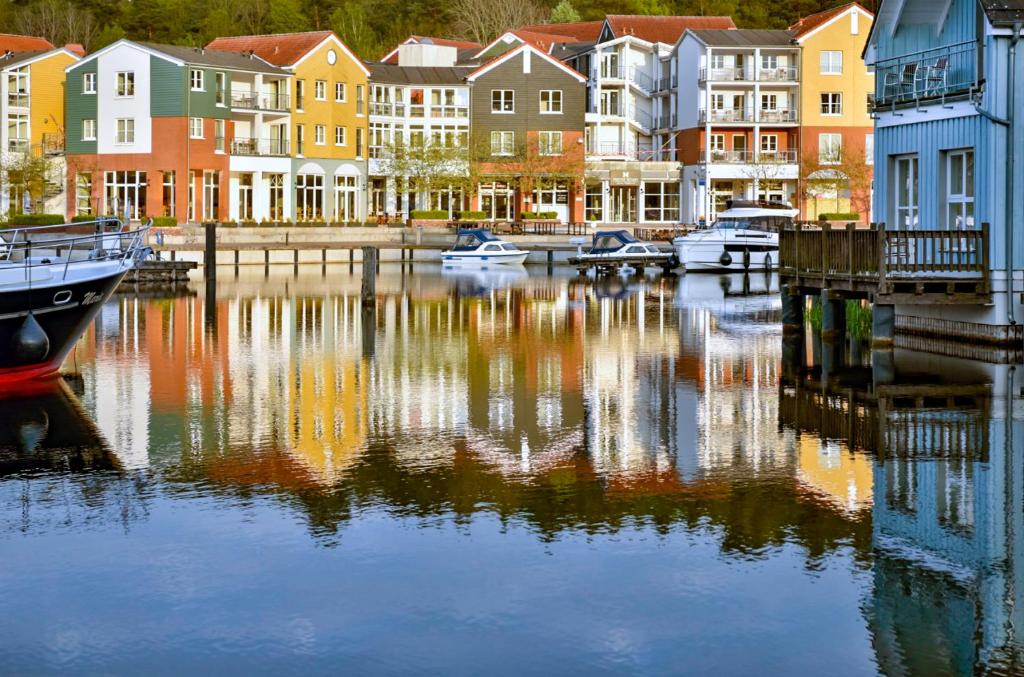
{"x": 837, "y": 133}
{"x": 328, "y": 120}
{"x": 32, "y": 103}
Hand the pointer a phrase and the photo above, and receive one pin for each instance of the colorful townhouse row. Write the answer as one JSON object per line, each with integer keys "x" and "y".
{"x": 633, "y": 119}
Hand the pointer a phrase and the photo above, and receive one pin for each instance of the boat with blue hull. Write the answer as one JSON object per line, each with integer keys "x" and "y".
{"x": 53, "y": 282}
{"x": 479, "y": 247}
{"x": 615, "y": 250}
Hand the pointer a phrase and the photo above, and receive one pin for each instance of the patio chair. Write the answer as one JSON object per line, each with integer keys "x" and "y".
{"x": 903, "y": 80}
{"x": 934, "y": 77}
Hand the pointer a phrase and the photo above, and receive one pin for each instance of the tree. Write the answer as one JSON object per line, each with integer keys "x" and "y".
{"x": 285, "y": 16}
{"x": 483, "y": 20}
{"x": 844, "y": 175}
{"x": 351, "y": 24}
{"x": 564, "y": 13}
{"x": 59, "y": 22}
{"x": 423, "y": 165}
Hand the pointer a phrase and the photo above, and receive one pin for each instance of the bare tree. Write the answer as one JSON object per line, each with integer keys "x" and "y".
{"x": 483, "y": 20}
{"x": 58, "y": 21}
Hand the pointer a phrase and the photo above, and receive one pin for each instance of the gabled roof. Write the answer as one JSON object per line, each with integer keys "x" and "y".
{"x": 215, "y": 58}
{"x": 1003, "y": 12}
{"x": 525, "y": 47}
{"x": 664, "y": 29}
{"x": 545, "y": 42}
{"x": 392, "y": 56}
{"x": 745, "y": 37}
{"x": 10, "y": 42}
{"x": 24, "y": 58}
{"x": 583, "y": 31}
{"x": 812, "y": 22}
{"x": 282, "y": 49}
{"x": 394, "y": 74}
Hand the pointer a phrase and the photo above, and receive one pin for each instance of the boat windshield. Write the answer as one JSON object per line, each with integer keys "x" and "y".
{"x": 471, "y": 239}
{"x": 771, "y": 224}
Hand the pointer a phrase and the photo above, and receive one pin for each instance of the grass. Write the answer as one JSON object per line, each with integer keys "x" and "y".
{"x": 858, "y": 318}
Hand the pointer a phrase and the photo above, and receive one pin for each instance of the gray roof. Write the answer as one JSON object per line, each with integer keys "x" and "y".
{"x": 198, "y": 56}
{"x": 418, "y": 75}
{"x": 1002, "y": 12}
{"x": 744, "y": 37}
{"x": 567, "y": 50}
{"x": 20, "y": 57}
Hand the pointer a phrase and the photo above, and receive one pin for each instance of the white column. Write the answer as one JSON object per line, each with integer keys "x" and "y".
{"x": 606, "y": 201}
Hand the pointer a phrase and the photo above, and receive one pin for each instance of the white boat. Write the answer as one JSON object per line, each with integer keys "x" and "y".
{"x": 480, "y": 247}
{"x": 744, "y": 237}
{"x": 614, "y": 250}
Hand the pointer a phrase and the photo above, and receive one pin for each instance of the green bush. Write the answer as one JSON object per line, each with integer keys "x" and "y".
{"x": 547, "y": 216}
{"x": 165, "y": 222}
{"x": 471, "y": 216}
{"x": 429, "y": 214}
{"x": 839, "y": 216}
{"x": 36, "y": 220}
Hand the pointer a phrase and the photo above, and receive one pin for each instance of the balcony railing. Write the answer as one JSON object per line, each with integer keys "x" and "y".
{"x": 641, "y": 79}
{"x": 257, "y": 101}
{"x": 53, "y": 143}
{"x": 619, "y": 150}
{"x": 780, "y": 74}
{"x": 18, "y": 99}
{"x": 382, "y": 108}
{"x": 249, "y": 146}
{"x": 18, "y": 145}
{"x": 726, "y": 115}
{"x": 929, "y": 74}
{"x": 776, "y": 115}
{"x": 449, "y": 111}
{"x": 726, "y": 74}
{"x": 749, "y": 157}
{"x": 612, "y": 72}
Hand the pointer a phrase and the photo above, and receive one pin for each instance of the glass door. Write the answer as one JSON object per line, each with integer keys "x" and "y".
{"x": 623, "y": 204}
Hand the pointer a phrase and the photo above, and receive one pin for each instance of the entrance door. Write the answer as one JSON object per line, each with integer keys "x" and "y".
{"x": 245, "y": 197}
{"x": 623, "y": 203}
{"x": 496, "y": 201}
{"x": 553, "y": 199}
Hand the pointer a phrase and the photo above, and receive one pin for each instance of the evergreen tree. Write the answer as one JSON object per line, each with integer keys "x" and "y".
{"x": 564, "y": 13}
{"x": 285, "y": 16}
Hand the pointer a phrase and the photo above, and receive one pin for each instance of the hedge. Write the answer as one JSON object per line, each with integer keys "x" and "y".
{"x": 429, "y": 214}
{"x": 36, "y": 220}
{"x": 165, "y": 222}
{"x": 472, "y": 216}
{"x": 839, "y": 216}
{"x": 539, "y": 215}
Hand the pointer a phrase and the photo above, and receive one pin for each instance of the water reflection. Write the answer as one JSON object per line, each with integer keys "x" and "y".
{"x": 885, "y": 487}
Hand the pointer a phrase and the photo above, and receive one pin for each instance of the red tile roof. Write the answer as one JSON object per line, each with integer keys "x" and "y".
{"x": 809, "y": 23}
{"x": 392, "y": 56}
{"x": 75, "y": 48}
{"x": 23, "y": 43}
{"x": 543, "y": 41}
{"x": 666, "y": 29}
{"x": 583, "y": 31}
{"x": 280, "y": 49}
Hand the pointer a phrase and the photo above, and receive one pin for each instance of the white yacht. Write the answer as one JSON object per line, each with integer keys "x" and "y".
{"x": 744, "y": 237}
{"x": 477, "y": 246}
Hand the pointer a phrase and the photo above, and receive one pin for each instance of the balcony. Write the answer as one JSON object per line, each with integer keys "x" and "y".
{"x": 932, "y": 74}
{"x": 776, "y": 116}
{"x": 625, "y": 151}
{"x": 53, "y": 143}
{"x": 749, "y": 157}
{"x": 726, "y": 115}
{"x": 18, "y": 145}
{"x": 256, "y": 101}
{"x": 447, "y": 112}
{"x": 18, "y": 99}
{"x": 726, "y": 74}
{"x": 665, "y": 121}
{"x": 609, "y": 72}
{"x": 241, "y": 145}
{"x": 780, "y": 74}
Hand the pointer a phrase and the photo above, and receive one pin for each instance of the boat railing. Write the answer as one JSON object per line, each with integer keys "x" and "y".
{"x": 105, "y": 239}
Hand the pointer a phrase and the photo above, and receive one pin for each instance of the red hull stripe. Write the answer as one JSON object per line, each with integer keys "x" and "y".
{"x": 26, "y": 372}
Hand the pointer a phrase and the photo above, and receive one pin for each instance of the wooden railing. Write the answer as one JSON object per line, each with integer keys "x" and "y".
{"x": 884, "y": 256}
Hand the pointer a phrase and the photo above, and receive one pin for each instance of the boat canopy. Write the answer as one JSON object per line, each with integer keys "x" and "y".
{"x": 611, "y": 241}
{"x": 471, "y": 239}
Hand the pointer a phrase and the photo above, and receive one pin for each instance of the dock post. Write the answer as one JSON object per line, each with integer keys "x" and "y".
{"x": 369, "y": 290}
{"x": 236, "y": 263}
{"x": 351, "y": 260}
{"x": 833, "y": 317}
{"x": 551, "y": 261}
{"x": 883, "y": 326}
{"x": 793, "y": 306}
{"x": 210, "y": 255}
{"x": 793, "y": 358}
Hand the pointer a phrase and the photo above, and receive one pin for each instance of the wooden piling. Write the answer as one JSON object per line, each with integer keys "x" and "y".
{"x": 369, "y": 290}
{"x": 210, "y": 255}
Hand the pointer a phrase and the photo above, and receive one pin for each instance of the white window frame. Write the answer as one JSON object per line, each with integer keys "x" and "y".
{"x": 829, "y": 63}
{"x": 88, "y": 83}
{"x": 962, "y": 201}
{"x": 320, "y": 90}
{"x": 506, "y": 98}
{"x": 770, "y": 102}
{"x": 220, "y": 89}
{"x": 906, "y": 168}
{"x": 124, "y": 84}
{"x": 340, "y": 92}
{"x": 546, "y": 143}
{"x": 192, "y": 128}
{"x": 716, "y": 142}
{"x": 826, "y": 139}
{"x": 197, "y": 84}
{"x": 769, "y": 143}
{"x": 124, "y": 131}
{"x": 320, "y": 135}
{"x": 831, "y": 104}
{"x": 88, "y": 135}
{"x": 340, "y": 135}
{"x": 506, "y": 141}
{"x": 869, "y": 149}
{"x": 219, "y": 132}
{"x": 553, "y": 96}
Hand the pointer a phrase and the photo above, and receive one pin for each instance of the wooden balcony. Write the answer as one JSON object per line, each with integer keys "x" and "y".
{"x": 890, "y": 266}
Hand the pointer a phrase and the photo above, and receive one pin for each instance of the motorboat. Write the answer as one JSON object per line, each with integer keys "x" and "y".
{"x": 53, "y": 282}
{"x": 613, "y": 250}
{"x": 745, "y": 237}
{"x": 477, "y": 246}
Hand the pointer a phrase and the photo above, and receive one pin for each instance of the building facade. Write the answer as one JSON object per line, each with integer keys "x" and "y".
{"x": 306, "y": 136}
{"x": 150, "y": 127}
{"x": 528, "y": 112}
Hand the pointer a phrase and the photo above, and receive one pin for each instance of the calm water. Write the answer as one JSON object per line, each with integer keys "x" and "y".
{"x": 505, "y": 474}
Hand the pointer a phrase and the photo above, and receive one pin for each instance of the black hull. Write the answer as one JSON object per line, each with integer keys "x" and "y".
{"x": 64, "y": 312}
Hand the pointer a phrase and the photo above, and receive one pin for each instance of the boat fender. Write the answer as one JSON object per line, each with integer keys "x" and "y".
{"x": 746, "y": 258}
{"x": 30, "y": 344}
{"x": 725, "y": 259}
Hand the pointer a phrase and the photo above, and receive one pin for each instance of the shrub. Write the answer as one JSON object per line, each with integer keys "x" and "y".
{"x": 547, "y": 216}
{"x": 429, "y": 214}
{"x": 165, "y": 222}
{"x": 36, "y": 220}
{"x": 839, "y": 216}
{"x": 471, "y": 216}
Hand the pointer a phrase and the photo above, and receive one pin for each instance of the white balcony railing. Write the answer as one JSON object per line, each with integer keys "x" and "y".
{"x": 749, "y": 157}
{"x": 241, "y": 145}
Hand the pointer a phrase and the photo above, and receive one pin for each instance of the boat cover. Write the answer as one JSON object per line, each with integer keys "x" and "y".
{"x": 470, "y": 239}
{"x": 611, "y": 241}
